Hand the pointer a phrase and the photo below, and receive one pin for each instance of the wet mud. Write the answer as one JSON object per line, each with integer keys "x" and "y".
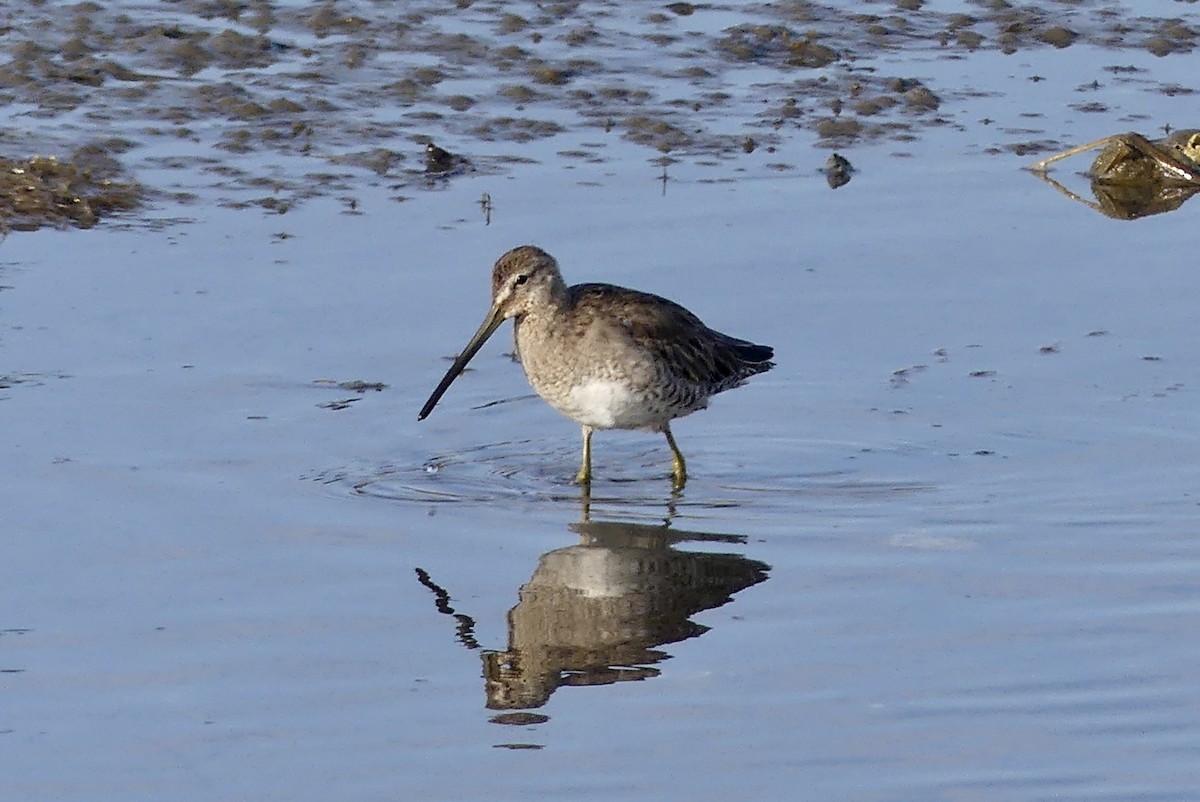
{"x": 269, "y": 104}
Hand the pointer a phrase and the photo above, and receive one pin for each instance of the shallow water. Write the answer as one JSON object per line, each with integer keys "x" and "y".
{"x": 944, "y": 551}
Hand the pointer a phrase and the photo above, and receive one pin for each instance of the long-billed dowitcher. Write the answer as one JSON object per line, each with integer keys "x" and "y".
{"x": 608, "y": 357}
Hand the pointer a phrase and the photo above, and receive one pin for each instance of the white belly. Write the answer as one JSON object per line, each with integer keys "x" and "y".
{"x": 607, "y": 404}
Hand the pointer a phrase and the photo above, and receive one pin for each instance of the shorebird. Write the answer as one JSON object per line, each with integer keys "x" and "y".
{"x": 608, "y": 357}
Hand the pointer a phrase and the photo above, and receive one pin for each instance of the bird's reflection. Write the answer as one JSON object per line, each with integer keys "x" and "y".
{"x": 596, "y": 612}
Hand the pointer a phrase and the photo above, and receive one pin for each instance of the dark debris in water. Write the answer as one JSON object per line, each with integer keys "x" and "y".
{"x": 355, "y": 386}
{"x": 360, "y": 386}
{"x": 1134, "y": 177}
{"x": 46, "y": 191}
{"x": 838, "y": 171}
{"x": 443, "y": 163}
{"x": 10, "y": 380}
{"x": 519, "y": 718}
{"x": 13, "y": 379}
{"x": 340, "y": 404}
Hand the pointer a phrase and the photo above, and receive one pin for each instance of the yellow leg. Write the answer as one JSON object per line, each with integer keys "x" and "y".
{"x": 584, "y": 477}
{"x": 678, "y": 466}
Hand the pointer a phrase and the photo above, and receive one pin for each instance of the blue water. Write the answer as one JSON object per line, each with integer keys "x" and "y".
{"x": 944, "y": 551}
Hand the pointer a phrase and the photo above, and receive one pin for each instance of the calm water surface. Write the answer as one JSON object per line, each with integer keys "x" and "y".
{"x": 946, "y": 550}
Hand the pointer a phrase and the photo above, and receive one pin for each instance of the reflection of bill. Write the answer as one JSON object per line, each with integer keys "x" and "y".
{"x": 594, "y": 613}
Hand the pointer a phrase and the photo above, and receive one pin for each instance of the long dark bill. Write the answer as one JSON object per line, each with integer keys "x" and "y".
{"x": 490, "y": 323}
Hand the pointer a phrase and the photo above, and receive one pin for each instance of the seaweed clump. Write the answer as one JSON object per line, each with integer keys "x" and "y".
{"x": 78, "y": 192}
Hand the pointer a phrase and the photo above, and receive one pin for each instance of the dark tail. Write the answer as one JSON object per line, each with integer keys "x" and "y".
{"x": 752, "y": 353}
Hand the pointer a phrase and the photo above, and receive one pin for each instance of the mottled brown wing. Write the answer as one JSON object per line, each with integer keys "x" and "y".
{"x": 679, "y": 340}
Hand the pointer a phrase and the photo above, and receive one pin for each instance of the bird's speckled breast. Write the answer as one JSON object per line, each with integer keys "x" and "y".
{"x": 594, "y": 376}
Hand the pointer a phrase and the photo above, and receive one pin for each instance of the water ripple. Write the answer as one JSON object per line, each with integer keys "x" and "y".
{"x": 533, "y": 471}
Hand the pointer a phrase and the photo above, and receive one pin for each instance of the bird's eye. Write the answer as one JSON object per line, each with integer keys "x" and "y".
{"x": 521, "y": 279}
